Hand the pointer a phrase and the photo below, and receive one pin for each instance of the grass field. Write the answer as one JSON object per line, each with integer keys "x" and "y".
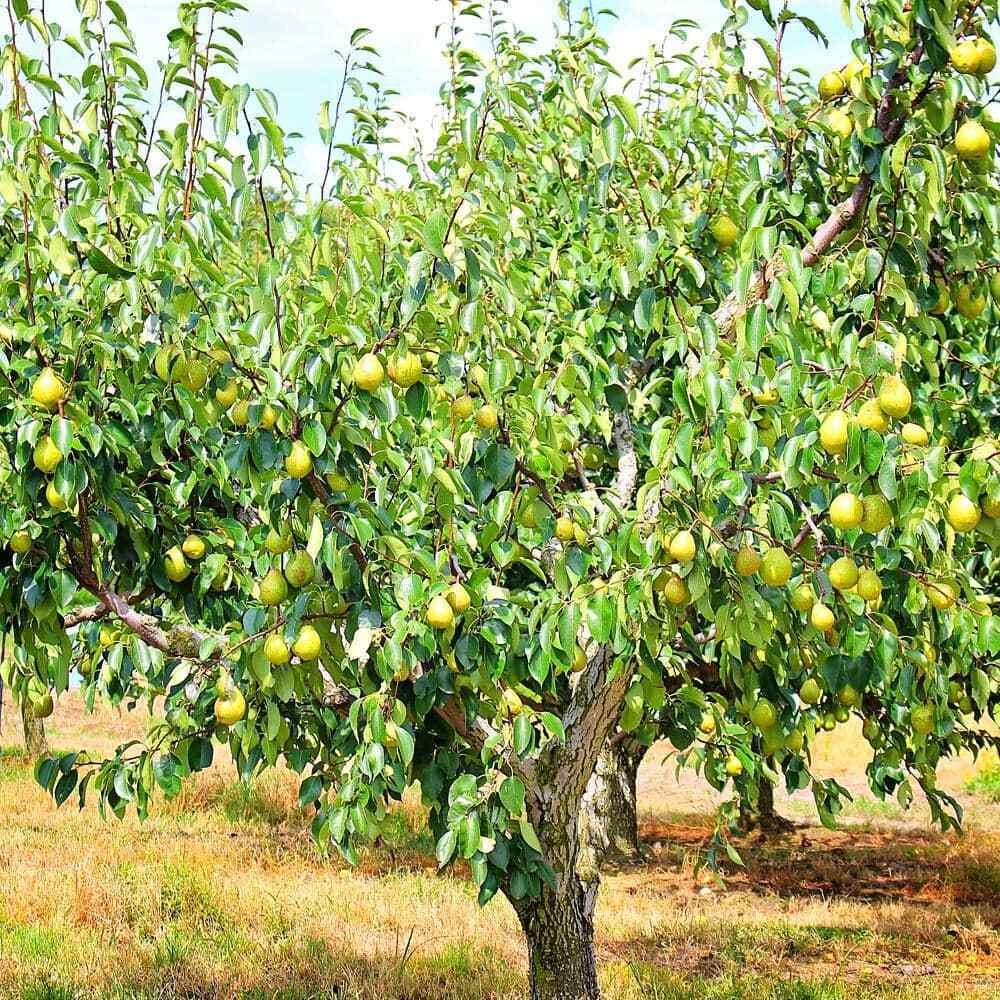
{"x": 222, "y": 894}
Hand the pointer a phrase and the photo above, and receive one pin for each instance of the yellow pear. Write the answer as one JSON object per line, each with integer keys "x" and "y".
{"x": 226, "y": 396}
{"x": 298, "y": 463}
{"x": 368, "y": 373}
{"x": 276, "y": 650}
{"x": 747, "y": 561}
{"x": 840, "y": 123}
{"x": 987, "y": 56}
{"x": 843, "y": 573}
{"x": 871, "y": 416}
{"x": 833, "y": 432}
{"x": 458, "y": 597}
{"x": 894, "y": 397}
{"x": 193, "y": 547}
{"x": 675, "y": 590}
{"x": 963, "y": 514}
{"x": 822, "y": 617}
{"x": 486, "y": 417}
{"x": 47, "y": 455}
{"x": 724, "y": 230}
{"x": 55, "y": 499}
{"x": 268, "y": 417}
{"x": 240, "y": 413}
{"x": 439, "y": 613}
{"x": 463, "y": 406}
{"x": 803, "y": 597}
{"x": 941, "y": 594}
{"x": 176, "y": 566}
{"x": 970, "y": 302}
{"x": 831, "y": 85}
{"x": 869, "y": 585}
{"x": 965, "y": 57}
{"x": 230, "y": 707}
{"x": 972, "y": 141}
{"x": 48, "y": 389}
{"x": 682, "y": 547}
{"x": 914, "y": 434}
{"x": 405, "y": 371}
{"x": 273, "y": 588}
{"x": 20, "y": 542}
{"x": 846, "y": 512}
{"x": 300, "y": 569}
{"x": 776, "y": 567}
{"x": 307, "y": 643}
{"x": 877, "y": 514}
{"x": 565, "y": 529}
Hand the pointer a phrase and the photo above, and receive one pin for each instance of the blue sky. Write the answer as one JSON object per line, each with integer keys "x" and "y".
{"x": 289, "y": 44}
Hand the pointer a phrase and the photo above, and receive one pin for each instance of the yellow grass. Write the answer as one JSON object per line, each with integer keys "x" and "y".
{"x": 222, "y": 894}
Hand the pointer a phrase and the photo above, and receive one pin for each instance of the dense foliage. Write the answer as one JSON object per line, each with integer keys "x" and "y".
{"x": 666, "y": 401}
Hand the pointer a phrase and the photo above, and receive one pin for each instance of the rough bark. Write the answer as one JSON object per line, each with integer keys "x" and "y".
{"x": 764, "y": 817}
{"x": 34, "y": 732}
{"x": 608, "y": 814}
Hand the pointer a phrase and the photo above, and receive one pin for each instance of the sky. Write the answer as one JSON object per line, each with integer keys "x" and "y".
{"x": 289, "y": 45}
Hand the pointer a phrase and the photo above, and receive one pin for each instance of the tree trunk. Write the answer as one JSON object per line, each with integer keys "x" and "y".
{"x": 559, "y": 927}
{"x": 608, "y": 814}
{"x": 764, "y": 816}
{"x": 34, "y": 732}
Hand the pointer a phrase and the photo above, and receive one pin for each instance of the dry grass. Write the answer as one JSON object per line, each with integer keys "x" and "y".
{"x": 221, "y": 894}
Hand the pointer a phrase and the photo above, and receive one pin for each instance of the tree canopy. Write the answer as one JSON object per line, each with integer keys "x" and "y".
{"x": 662, "y": 398}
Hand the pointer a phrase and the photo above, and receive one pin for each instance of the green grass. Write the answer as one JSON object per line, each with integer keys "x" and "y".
{"x": 986, "y": 783}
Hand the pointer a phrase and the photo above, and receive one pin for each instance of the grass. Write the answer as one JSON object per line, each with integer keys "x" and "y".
{"x": 986, "y": 782}
{"x": 222, "y": 895}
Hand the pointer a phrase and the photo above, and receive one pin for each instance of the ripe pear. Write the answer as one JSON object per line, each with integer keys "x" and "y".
{"x": 300, "y": 569}
{"x": 230, "y": 707}
{"x": 458, "y": 597}
{"x": 776, "y": 567}
{"x": 987, "y": 56}
{"x": 965, "y": 56}
{"x": 822, "y": 617}
{"x": 276, "y": 650}
{"x": 193, "y": 547}
{"x": 846, "y": 512}
{"x": 991, "y": 506}
{"x": 763, "y": 714}
{"x": 486, "y": 417}
{"x": 268, "y": 418}
{"x": 803, "y": 597}
{"x": 877, "y": 513}
{"x": 176, "y": 566}
{"x": 941, "y": 594}
{"x": 970, "y": 302}
{"x": 273, "y": 589}
{"x": 840, "y": 123}
{"x": 439, "y": 613}
{"x": 869, "y": 586}
{"x": 47, "y": 455}
{"x": 747, "y": 561}
{"x": 843, "y": 573}
{"x": 20, "y": 542}
{"x": 914, "y": 434}
{"x": 675, "y": 590}
{"x": 226, "y": 396}
{"x": 48, "y": 390}
{"x": 565, "y": 529}
{"x": 54, "y": 498}
{"x": 833, "y": 432}
{"x": 894, "y": 397}
{"x": 724, "y": 231}
{"x": 832, "y": 85}
{"x": 972, "y": 141}
{"x": 871, "y": 416}
{"x": 195, "y": 375}
{"x": 298, "y": 463}
{"x": 963, "y": 514}
{"x": 368, "y": 373}
{"x": 734, "y": 766}
{"x": 405, "y": 371}
{"x": 682, "y": 547}
{"x": 278, "y": 542}
{"x": 307, "y": 644}
{"x": 463, "y": 406}
{"x": 811, "y": 692}
{"x": 240, "y": 413}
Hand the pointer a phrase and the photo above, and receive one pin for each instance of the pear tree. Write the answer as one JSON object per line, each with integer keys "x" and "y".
{"x": 656, "y": 396}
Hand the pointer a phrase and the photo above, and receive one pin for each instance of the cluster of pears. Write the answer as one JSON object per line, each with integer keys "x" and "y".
{"x": 442, "y": 608}
{"x": 837, "y": 710}
{"x": 974, "y": 56}
{"x": 49, "y": 391}
{"x": 306, "y": 646}
{"x": 682, "y": 549}
{"x": 230, "y": 705}
{"x": 835, "y": 83}
{"x": 298, "y": 572}
{"x": 175, "y": 562}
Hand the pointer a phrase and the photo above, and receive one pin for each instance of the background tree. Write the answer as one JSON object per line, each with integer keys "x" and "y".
{"x": 449, "y": 472}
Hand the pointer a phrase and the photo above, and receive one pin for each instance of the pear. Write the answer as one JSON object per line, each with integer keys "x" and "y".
{"x": 458, "y": 597}
{"x": 833, "y": 432}
{"x": 675, "y": 590}
{"x": 843, "y": 573}
{"x": 747, "y": 561}
{"x": 776, "y": 567}
{"x": 226, "y": 396}
{"x": 565, "y": 529}
{"x": 821, "y": 617}
{"x": 48, "y": 389}
{"x": 725, "y": 231}
{"x": 486, "y": 417}
{"x": 277, "y": 542}
{"x": 268, "y": 417}
{"x": 272, "y": 588}
{"x": 877, "y": 514}
{"x": 463, "y": 406}
{"x": 193, "y": 547}
{"x": 20, "y": 542}
{"x": 55, "y": 499}
{"x": 439, "y": 613}
{"x": 405, "y": 371}
{"x": 832, "y": 85}
{"x": 300, "y": 569}
{"x": 230, "y": 707}
{"x": 276, "y": 650}
{"x": 846, "y": 512}
{"x": 47, "y": 455}
{"x": 307, "y": 644}
{"x": 963, "y": 514}
{"x": 176, "y": 566}
{"x": 299, "y": 462}
{"x": 368, "y": 373}
{"x": 894, "y": 397}
{"x": 682, "y": 547}
{"x": 972, "y": 141}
